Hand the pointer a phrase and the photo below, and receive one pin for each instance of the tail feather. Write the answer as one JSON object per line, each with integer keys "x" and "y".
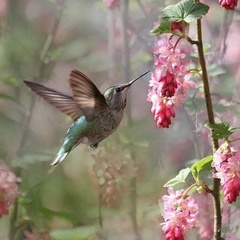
{"x": 59, "y": 158}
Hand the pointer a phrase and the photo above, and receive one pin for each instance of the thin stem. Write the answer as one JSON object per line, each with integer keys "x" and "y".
{"x": 234, "y": 140}
{"x": 195, "y": 138}
{"x": 227, "y": 20}
{"x": 127, "y": 76}
{"x": 100, "y": 219}
{"x": 111, "y": 44}
{"x": 215, "y": 145}
{"x": 13, "y": 217}
{"x": 174, "y": 47}
{"x": 142, "y": 8}
{"x": 126, "y": 49}
{"x": 134, "y": 206}
{"x": 185, "y": 194}
{"x": 192, "y": 41}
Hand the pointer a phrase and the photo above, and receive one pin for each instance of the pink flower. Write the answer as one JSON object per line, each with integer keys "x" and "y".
{"x": 226, "y": 162}
{"x": 112, "y": 3}
{"x": 180, "y": 28}
{"x": 180, "y": 214}
{"x": 169, "y": 82}
{"x": 8, "y": 189}
{"x": 228, "y": 4}
{"x": 177, "y": 26}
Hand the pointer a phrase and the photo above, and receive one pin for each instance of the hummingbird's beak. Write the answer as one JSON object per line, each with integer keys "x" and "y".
{"x": 127, "y": 85}
{"x": 134, "y": 80}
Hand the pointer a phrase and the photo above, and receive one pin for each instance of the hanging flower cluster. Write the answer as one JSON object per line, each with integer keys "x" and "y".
{"x": 226, "y": 162}
{"x": 180, "y": 214}
{"x": 228, "y": 4}
{"x": 169, "y": 82}
{"x": 113, "y": 169}
{"x": 8, "y": 189}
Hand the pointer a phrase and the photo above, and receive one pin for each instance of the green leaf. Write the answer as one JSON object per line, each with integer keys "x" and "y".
{"x": 180, "y": 178}
{"x": 164, "y": 27}
{"x": 59, "y": 214}
{"x": 78, "y": 233}
{"x": 186, "y": 10}
{"x": 221, "y": 130}
{"x": 202, "y": 165}
{"x": 5, "y": 96}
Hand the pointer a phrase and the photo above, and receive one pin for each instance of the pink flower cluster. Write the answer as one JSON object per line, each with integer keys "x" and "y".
{"x": 226, "y": 162}
{"x": 169, "y": 82}
{"x": 112, "y": 3}
{"x": 8, "y": 189}
{"x": 228, "y": 4}
{"x": 180, "y": 214}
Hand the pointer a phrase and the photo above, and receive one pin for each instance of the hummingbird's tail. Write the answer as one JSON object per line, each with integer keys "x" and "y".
{"x": 59, "y": 158}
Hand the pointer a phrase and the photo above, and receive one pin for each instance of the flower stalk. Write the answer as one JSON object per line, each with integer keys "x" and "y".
{"x": 215, "y": 144}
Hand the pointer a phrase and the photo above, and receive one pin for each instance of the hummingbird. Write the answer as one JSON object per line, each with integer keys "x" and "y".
{"x": 95, "y": 115}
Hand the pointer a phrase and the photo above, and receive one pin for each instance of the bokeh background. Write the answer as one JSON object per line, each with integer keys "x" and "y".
{"x": 111, "y": 192}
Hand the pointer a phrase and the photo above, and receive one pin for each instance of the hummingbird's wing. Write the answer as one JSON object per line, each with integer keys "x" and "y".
{"x": 64, "y": 103}
{"x": 89, "y": 99}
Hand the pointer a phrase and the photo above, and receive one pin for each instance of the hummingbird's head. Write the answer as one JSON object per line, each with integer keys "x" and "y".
{"x": 116, "y": 96}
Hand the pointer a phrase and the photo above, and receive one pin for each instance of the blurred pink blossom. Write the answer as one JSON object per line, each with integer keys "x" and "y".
{"x": 36, "y": 235}
{"x": 3, "y": 8}
{"x": 226, "y": 162}
{"x": 228, "y": 4}
{"x": 8, "y": 189}
{"x": 205, "y": 215}
{"x": 230, "y": 217}
{"x": 169, "y": 82}
{"x": 180, "y": 214}
{"x": 113, "y": 169}
{"x": 112, "y": 3}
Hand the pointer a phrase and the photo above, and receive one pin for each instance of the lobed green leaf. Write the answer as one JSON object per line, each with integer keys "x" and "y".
{"x": 202, "y": 165}
{"x": 186, "y": 10}
{"x": 164, "y": 27}
{"x": 180, "y": 178}
{"x": 221, "y": 130}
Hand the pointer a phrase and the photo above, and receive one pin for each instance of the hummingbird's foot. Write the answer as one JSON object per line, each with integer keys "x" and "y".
{"x": 94, "y": 145}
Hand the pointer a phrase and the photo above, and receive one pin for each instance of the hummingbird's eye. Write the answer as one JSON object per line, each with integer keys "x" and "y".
{"x": 118, "y": 89}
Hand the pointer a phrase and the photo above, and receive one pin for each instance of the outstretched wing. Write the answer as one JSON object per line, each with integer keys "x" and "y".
{"x": 87, "y": 96}
{"x": 64, "y": 103}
